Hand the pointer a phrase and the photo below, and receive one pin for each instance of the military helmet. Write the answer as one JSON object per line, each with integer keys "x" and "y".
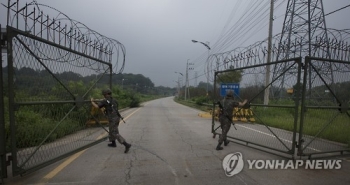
{"x": 229, "y": 93}
{"x": 106, "y": 91}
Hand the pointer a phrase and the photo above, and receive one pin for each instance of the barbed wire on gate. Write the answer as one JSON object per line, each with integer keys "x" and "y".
{"x": 66, "y": 32}
{"x": 336, "y": 47}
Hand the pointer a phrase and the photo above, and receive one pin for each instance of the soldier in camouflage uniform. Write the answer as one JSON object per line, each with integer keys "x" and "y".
{"x": 111, "y": 110}
{"x": 226, "y": 116}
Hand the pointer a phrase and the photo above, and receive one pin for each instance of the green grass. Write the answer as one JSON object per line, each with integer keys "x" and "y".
{"x": 202, "y": 107}
{"x": 318, "y": 122}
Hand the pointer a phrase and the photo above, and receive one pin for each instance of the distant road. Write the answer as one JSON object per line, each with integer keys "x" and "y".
{"x": 171, "y": 144}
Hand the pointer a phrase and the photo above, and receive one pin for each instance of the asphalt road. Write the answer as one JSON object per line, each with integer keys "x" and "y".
{"x": 171, "y": 144}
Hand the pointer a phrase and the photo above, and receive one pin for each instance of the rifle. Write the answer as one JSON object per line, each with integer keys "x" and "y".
{"x": 117, "y": 111}
{"x": 121, "y": 117}
{"x": 223, "y": 112}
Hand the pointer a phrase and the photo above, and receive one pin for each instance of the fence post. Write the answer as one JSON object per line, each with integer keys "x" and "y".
{"x": 213, "y": 110}
{"x": 3, "y": 168}
{"x": 303, "y": 106}
{"x": 296, "y": 110}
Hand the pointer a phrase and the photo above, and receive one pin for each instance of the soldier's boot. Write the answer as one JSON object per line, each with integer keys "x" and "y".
{"x": 219, "y": 147}
{"x": 127, "y": 146}
{"x": 226, "y": 142}
{"x": 112, "y": 144}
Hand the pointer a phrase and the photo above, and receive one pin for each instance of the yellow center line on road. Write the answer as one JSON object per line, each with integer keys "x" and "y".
{"x": 59, "y": 168}
{"x": 131, "y": 113}
{"x": 63, "y": 165}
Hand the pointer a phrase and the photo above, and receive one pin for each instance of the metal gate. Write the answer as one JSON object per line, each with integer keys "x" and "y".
{"x": 264, "y": 132}
{"x": 325, "y": 113}
{"x": 53, "y": 66}
{"x": 49, "y": 100}
{"x": 296, "y": 121}
{"x": 3, "y": 169}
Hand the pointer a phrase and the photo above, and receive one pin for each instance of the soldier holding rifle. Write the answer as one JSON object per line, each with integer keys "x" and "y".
{"x": 226, "y": 114}
{"x": 111, "y": 110}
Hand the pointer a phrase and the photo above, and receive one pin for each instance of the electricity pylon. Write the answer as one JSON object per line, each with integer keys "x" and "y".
{"x": 304, "y": 29}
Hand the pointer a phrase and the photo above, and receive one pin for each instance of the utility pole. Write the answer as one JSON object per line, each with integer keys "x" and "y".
{"x": 267, "y": 77}
{"x": 187, "y": 91}
{"x": 195, "y": 77}
{"x": 186, "y": 79}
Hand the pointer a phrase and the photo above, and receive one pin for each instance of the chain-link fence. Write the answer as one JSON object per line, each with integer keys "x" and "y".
{"x": 307, "y": 111}
{"x": 53, "y": 65}
{"x": 49, "y": 90}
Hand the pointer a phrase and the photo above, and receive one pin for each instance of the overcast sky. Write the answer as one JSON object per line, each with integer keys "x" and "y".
{"x": 157, "y": 34}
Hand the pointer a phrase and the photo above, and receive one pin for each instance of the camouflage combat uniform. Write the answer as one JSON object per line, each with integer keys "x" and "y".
{"x": 111, "y": 110}
{"x": 226, "y": 116}
{"x": 111, "y": 107}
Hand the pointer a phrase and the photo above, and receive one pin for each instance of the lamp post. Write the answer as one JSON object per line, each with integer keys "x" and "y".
{"x": 178, "y": 88}
{"x": 179, "y": 81}
{"x": 207, "y": 46}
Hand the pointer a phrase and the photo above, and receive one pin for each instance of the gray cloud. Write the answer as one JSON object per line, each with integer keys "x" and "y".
{"x": 157, "y": 34}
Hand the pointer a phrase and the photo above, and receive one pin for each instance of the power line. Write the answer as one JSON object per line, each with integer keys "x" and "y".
{"x": 244, "y": 28}
{"x": 337, "y": 10}
{"x": 254, "y": 13}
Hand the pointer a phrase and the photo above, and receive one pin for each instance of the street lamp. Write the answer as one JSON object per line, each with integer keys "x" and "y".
{"x": 179, "y": 73}
{"x": 207, "y": 46}
{"x": 179, "y": 81}
{"x": 178, "y": 88}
